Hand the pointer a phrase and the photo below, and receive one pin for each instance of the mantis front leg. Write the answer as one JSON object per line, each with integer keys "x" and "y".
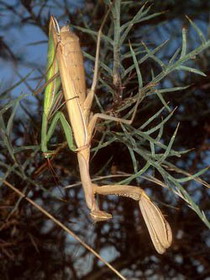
{"x": 159, "y": 229}
{"x": 96, "y": 214}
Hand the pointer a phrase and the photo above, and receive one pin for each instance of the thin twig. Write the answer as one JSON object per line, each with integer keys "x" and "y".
{"x": 41, "y": 209}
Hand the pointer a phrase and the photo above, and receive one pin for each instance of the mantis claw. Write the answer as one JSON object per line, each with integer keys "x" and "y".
{"x": 100, "y": 216}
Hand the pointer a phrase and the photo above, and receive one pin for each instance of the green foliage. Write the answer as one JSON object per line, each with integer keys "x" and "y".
{"x": 148, "y": 144}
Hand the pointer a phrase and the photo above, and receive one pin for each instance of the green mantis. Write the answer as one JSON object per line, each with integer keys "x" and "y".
{"x": 65, "y": 58}
{"x": 51, "y": 97}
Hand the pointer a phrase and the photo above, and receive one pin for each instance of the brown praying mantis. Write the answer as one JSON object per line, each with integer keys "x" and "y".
{"x": 65, "y": 59}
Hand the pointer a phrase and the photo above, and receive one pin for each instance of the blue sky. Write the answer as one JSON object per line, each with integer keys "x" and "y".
{"x": 26, "y": 41}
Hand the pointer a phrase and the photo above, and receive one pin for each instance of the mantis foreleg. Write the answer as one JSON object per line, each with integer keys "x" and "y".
{"x": 159, "y": 229}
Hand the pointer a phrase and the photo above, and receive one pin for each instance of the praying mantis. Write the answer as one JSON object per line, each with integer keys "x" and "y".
{"x": 66, "y": 69}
